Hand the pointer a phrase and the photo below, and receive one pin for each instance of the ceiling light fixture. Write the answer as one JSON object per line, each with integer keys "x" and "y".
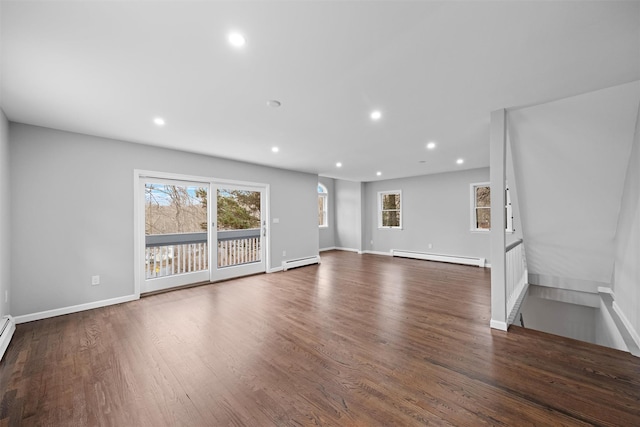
{"x": 339, "y": 165}
{"x": 376, "y": 115}
{"x": 378, "y": 173}
{"x": 273, "y": 103}
{"x": 236, "y": 39}
{"x": 431, "y": 145}
{"x": 460, "y": 161}
{"x": 159, "y": 121}
{"x": 275, "y": 149}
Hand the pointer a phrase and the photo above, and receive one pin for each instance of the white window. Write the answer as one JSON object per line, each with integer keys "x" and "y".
{"x": 322, "y": 206}
{"x": 481, "y": 208}
{"x": 390, "y": 209}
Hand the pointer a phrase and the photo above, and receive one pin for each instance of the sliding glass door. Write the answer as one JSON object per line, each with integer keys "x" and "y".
{"x": 196, "y": 231}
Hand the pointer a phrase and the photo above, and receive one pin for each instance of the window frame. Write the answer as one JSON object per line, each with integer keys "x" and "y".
{"x": 473, "y": 214}
{"x": 380, "y": 210}
{"x": 474, "y": 207}
{"x": 325, "y": 203}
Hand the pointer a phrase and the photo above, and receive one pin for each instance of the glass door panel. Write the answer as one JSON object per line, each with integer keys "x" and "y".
{"x": 240, "y": 231}
{"x": 176, "y": 233}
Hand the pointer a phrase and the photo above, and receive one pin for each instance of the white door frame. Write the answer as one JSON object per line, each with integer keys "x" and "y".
{"x": 140, "y": 175}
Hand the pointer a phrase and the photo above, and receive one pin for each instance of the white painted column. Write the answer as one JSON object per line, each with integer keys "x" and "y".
{"x": 497, "y": 163}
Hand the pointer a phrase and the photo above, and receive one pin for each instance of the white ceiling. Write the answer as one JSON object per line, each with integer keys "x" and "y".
{"x": 435, "y": 70}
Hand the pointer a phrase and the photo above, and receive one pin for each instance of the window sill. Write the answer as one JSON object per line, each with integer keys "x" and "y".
{"x": 389, "y": 228}
{"x": 323, "y": 226}
{"x": 484, "y": 230}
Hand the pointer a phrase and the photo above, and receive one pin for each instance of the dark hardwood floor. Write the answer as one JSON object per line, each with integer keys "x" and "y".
{"x": 361, "y": 340}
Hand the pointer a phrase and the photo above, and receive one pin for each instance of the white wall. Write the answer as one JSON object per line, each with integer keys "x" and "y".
{"x": 570, "y": 158}
{"x": 327, "y": 237}
{"x": 560, "y": 318}
{"x": 72, "y": 212}
{"x": 5, "y": 225}
{"x": 436, "y": 210}
{"x": 626, "y": 286}
{"x": 348, "y": 200}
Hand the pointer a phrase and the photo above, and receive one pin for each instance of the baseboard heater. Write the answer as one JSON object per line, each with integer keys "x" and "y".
{"x": 7, "y": 328}
{"x": 300, "y": 262}
{"x": 480, "y": 262}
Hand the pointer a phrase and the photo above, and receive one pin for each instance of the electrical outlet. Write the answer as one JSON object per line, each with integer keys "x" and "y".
{"x": 284, "y": 253}
{"x": 95, "y": 280}
{"x": 430, "y": 246}
{"x": 372, "y": 242}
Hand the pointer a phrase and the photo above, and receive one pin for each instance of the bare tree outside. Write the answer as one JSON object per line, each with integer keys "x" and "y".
{"x": 173, "y": 209}
{"x": 391, "y": 210}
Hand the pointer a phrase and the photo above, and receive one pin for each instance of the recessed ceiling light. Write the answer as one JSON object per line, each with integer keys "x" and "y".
{"x": 378, "y": 173}
{"x": 237, "y": 39}
{"x": 422, "y": 161}
{"x": 275, "y": 149}
{"x": 273, "y": 103}
{"x": 159, "y": 121}
{"x": 338, "y": 165}
{"x": 431, "y": 145}
{"x": 376, "y": 115}
{"x": 460, "y": 161}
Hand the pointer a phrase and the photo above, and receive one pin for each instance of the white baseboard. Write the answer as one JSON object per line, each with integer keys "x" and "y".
{"x": 347, "y": 249}
{"x": 630, "y": 329}
{"x": 332, "y": 248}
{"x": 496, "y": 324}
{"x": 274, "y": 270}
{"x": 377, "y": 253}
{"x": 73, "y": 309}
{"x": 7, "y": 333}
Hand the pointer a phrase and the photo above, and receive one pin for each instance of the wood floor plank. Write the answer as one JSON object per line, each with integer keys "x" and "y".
{"x": 359, "y": 340}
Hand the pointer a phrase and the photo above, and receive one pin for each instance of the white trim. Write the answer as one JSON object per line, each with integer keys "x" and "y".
{"x": 380, "y": 193}
{"x": 346, "y": 249}
{"x": 192, "y": 178}
{"x": 497, "y": 324}
{"x": 377, "y": 253}
{"x": 606, "y": 290}
{"x": 138, "y": 220}
{"x": 630, "y": 329}
{"x": 332, "y": 248}
{"x": 275, "y": 269}
{"x": 571, "y": 284}
{"x": 455, "y": 259}
{"x": 325, "y": 212}
{"x": 472, "y": 206}
{"x": 74, "y": 309}
{"x": 300, "y": 262}
{"x": 7, "y": 334}
{"x": 508, "y": 209}
{"x": 170, "y": 282}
